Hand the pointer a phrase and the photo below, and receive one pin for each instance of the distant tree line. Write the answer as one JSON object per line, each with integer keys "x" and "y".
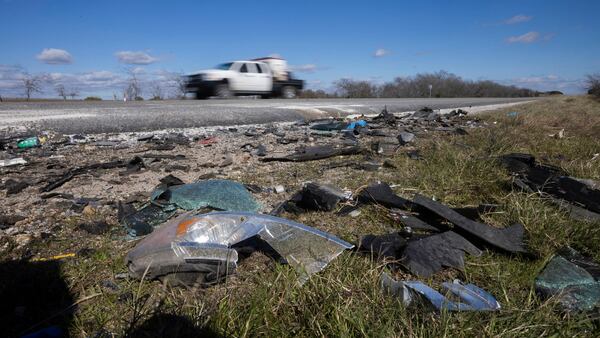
{"x": 593, "y": 84}
{"x": 439, "y": 84}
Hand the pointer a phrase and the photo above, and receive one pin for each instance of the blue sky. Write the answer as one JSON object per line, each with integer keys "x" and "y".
{"x": 88, "y": 44}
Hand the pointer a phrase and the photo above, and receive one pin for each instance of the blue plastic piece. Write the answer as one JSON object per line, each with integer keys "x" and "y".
{"x": 359, "y": 123}
{"x": 468, "y": 297}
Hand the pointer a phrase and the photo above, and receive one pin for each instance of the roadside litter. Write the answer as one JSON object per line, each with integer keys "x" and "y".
{"x": 12, "y": 162}
{"x": 197, "y": 233}
{"x": 572, "y": 280}
{"x": 418, "y": 250}
{"x": 339, "y": 126}
{"x": 508, "y": 239}
{"x": 72, "y": 173}
{"x": 583, "y": 196}
{"x": 13, "y": 186}
{"x": 423, "y": 256}
{"x": 203, "y": 245}
{"x": 216, "y": 194}
{"x": 31, "y": 142}
{"x": 173, "y": 194}
{"x": 460, "y": 297}
{"x": 314, "y": 197}
{"x": 315, "y": 153}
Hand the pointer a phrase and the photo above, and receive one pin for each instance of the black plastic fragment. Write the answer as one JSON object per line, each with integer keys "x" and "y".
{"x": 385, "y": 246}
{"x": 508, "y": 239}
{"x": 532, "y": 176}
{"x": 426, "y": 256}
{"x": 69, "y": 175}
{"x": 313, "y": 197}
{"x": 416, "y": 224}
{"x": 382, "y": 193}
{"x": 315, "y": 153}
{"x": 14, "y": 187}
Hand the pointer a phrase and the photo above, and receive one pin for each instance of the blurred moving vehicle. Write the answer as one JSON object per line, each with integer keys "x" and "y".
{"x": 267, "y": 77}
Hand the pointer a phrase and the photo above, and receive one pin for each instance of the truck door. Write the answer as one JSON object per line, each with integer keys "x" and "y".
{"x": 251, "y": 78}
{"x": 239, "y": 81}
{"x": 264, "y": 77}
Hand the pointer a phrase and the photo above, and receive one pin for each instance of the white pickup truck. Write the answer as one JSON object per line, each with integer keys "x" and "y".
{"x": 266, "y": 77}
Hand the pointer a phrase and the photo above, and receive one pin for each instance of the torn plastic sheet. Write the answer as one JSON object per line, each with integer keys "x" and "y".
{"x": 207, "y": 239}
{"x": 217, "y": 194}
{"x": 468, "y": 297}
{"x": 573, "y": 279}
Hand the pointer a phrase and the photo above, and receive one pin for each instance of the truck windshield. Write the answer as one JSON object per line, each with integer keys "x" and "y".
{"x": 224, "y": 66}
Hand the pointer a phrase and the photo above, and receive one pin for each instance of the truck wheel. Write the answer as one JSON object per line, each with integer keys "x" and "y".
{"x": 288, "y": 92}
{"x": 200, "y": 96}
{"x": 223, "y": 91}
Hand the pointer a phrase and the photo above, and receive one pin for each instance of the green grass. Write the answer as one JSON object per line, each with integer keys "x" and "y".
{"x": 344, "y": 300}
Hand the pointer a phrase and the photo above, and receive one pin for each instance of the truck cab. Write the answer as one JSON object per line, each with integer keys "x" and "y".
{"x": 253, "y": 77}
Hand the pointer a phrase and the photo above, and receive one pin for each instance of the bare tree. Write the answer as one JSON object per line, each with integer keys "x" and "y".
{"x": 178, "y": 81}
{"x": 73, "y": 93}
{"x": 356, "y": 89}
{"x": 61, "y": 91}
{"x": 133, "y": 89}
{"x": 156, "y": 91}
{"x": 32, "y": 84}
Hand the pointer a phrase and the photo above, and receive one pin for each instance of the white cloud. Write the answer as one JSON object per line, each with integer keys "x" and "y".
{"x": 517, "y": 19}
{"x": 53, "y": 56}
{"x": 306, "y": 68}
{"x": 381, "y": 52}
{"x": 135, "y": 58}
{"x": 525, "y": 38}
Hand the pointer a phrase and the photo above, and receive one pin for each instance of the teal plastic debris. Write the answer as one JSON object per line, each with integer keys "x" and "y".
{"x": 463, "y": 297}
{"x": 216, "y": 194}
{"x": 512, "y": 114}
{"x": 31, "y": 142}
{"x": 574, "y": 281}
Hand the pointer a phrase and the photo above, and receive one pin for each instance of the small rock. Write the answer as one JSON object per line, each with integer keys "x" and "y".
{"x": 227, "y": 161}
{"x": 14, "y": 187}
{"x": 354, "y": 213}
{"x": 95, "y": 228}
{"x": 6, "y": 221}
{"x": 122, "y": 275}
{"x": 22, "y": 239}
{"x": 406, "y": 137}
{"x": 88, "y": 210}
